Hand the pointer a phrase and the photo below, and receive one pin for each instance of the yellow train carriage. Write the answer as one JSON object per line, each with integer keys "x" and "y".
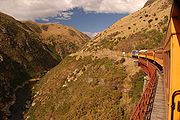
{"x": 142, "y": 54}
{"x": 154, "y": 55}
{"x": 158, "y": 56}
{"x": 172, "y": 64}
{"x": 150, "y": 54}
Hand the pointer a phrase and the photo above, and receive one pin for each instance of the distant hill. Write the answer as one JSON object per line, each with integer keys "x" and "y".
{"x": 64, "y": 39}
{"x": 97, "y": 82}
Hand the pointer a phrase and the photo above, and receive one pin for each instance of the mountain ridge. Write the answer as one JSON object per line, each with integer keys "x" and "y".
{"x": 65, "y": 39}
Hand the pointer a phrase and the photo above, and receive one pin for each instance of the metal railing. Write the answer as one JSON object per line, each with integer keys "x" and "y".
{"x": 144, "y": 107}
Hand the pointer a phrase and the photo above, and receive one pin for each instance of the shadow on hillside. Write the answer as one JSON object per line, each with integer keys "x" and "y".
{"x": 22, "y": 102}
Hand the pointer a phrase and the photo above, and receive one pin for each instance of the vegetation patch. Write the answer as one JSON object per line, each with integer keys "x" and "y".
{"x": 45, "y": 27}
{"x": 96, "y": 94}
{"x": 53, "y": 52}
{"x": 164, "y": 21}
{"x": 154, "y": 39}
{"x": 109, "y": 42}
{"x": 72, "y": 33}
{"x": 137, "y": 86}
{"x": 149, "y": 21}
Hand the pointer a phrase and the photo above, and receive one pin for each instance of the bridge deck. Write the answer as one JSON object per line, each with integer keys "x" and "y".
{"x": 159, "y": 110}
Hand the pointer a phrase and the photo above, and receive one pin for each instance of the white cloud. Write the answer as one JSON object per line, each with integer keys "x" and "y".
{"x": 110, "y": 6}
{"x": 31, "y": 9}
{"x": 45, "y": 19}
{"x": 64, "y": 15}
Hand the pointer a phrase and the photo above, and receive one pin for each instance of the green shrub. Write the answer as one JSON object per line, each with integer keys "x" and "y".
{"x": 154, "y": 37}
{"x": 137, "y": 86}
{"x": 44, "y": 27}
{"x": 149, "y": 21}
{"x": 53, "y": 52}
{"x": 146, "y": 15}
{"x": 122, "y": 60}
{"x": 71, "y": 32}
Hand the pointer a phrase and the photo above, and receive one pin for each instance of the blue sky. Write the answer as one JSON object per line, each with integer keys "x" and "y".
{"x": 91, "y": 22}
{"x": 86, "y": 15}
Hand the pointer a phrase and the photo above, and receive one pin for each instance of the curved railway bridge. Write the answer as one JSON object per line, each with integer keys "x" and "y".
{"x": 161, "y": 97}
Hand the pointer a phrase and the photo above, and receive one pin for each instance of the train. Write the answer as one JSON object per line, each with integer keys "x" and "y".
{"x": 168, "y": 57}
{"x": 153, "y": 55}
{"x": 171, "y": 60}
{"x": 134, "y": 53}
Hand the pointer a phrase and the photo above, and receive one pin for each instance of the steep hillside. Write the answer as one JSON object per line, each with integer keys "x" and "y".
{"x": 22, "y": 56}
{"x": 97, "y": 82}
{"x": 65, "y": 39}
{"x": 85, "y": 89}
{"x": 143, "y": 29}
